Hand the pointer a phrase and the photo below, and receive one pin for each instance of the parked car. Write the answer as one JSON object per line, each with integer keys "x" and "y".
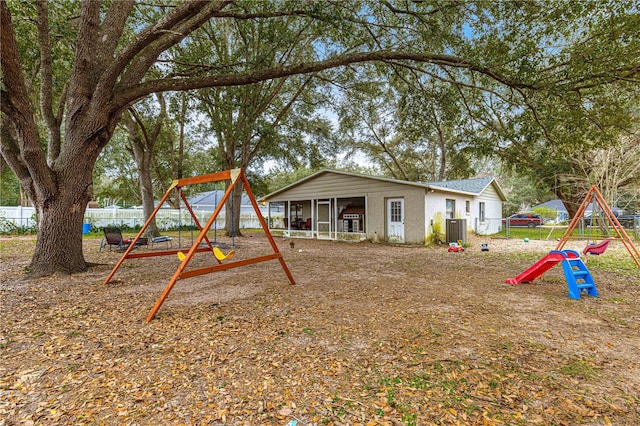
{"x": 529, "y": 220}
{"x": 629, "y": 220}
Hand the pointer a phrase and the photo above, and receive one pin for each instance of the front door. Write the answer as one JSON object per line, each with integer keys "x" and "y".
{"x": 395, "y": 220}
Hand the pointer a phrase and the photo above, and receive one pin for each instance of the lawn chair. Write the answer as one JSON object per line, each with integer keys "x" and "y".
{"x": 113, "y": 237}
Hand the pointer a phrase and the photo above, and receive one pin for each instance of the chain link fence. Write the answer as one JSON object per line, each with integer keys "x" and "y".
{"x": 500, "y": 227}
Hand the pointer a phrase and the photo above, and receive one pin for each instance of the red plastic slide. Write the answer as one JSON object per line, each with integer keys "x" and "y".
{"x": 540, "y": 267}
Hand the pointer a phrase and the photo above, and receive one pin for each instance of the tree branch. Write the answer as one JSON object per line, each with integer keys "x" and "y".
{"x": 112, "y": 29}
{"x": 10, "y": 154}
{"x": 81, "y": 90}
{"x": 46, "y": 83}
{"x": 135, "y": 92}
{"x": 15, "y": 104}
{"x": 138, "y": 57}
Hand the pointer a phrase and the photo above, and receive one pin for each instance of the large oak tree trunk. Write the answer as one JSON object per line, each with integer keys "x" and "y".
{"x": 59, "y": 235}
{"x": 232, "y": 212}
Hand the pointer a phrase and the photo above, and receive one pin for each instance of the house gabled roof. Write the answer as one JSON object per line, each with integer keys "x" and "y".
{"x": 465, "y": 186}
{"x": 338, "y": 172}
{"x": 468, "y": 186}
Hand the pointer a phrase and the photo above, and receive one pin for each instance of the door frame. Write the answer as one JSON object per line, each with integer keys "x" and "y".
{"x": 321, "y": 235}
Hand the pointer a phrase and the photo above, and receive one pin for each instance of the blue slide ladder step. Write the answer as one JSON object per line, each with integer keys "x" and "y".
{"x": 579, "y": 279}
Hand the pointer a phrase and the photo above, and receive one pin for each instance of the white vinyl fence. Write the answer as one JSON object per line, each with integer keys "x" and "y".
{"x": 23, "y": 218}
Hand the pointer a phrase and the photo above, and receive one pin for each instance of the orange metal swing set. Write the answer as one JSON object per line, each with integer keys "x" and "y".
{"x": 594, "y": 197}
{"x": 234, "y": 176}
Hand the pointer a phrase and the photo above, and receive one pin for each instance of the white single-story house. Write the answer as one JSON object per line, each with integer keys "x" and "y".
{"x": 339, "y": 205}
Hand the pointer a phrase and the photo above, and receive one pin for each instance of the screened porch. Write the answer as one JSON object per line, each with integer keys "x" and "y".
{"x": 322, "y": 218}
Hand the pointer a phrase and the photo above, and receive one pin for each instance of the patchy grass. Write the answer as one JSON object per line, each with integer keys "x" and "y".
{"x": 371, "y": 334}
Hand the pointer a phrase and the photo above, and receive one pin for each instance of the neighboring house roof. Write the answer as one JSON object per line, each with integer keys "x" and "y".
{"x": 465, "y": 186}
{"x": 209, "y": 201}
{"x": 554, "y": 204}
{"x": 560, "y": 207}
{"x": 212, "y": 198}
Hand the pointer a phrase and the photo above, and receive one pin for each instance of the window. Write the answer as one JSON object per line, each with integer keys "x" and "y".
{"x": 451, "y": 209}
{"x": 467, "y": 205}
{"x": 396, "y": 211}
{"x": 481, "y": 211}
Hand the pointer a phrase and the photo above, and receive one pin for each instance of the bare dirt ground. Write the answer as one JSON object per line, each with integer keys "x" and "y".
{"x": 371, "y": 334}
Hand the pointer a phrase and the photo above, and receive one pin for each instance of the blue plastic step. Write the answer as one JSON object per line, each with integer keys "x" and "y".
{"x": 579, "y": 279}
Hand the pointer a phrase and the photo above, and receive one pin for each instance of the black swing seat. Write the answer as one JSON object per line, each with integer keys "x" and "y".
{"x": 161, "y": 239}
